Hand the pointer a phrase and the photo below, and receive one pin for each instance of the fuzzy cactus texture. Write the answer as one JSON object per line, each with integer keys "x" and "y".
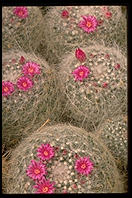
{"x": 21, "y": 27}
{"x": 66, "y": 26}
{"x": 113, "y": 133}
{"x": 96, "y": 88}
{"x": 28, "y": 94}
{"x": 78, "y": 163}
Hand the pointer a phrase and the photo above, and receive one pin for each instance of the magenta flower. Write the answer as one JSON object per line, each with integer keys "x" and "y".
{"x": 117, "y": 66}
{"x": 21, "y": 12}
{"x": 80, "y": 55}
{"x": 7, "y": 88}
{"x": 31, "y": 68}
{"x": 22, "y": 60}
{"x": 88, "y": 24}
{"x": 81, "y": 72}
{"x": 108, "y": 15}
{"x": 45, "y": 152}
{"x": 83, "y": 166}
{"x": 65, "y": 14}
{"x": 104, "y": 85}
{"x": 44, "y": 187}
{"x": 36, "y": 170}
{"x": 24, "y": 83}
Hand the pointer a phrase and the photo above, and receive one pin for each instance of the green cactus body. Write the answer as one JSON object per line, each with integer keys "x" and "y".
{"x": 21, "y": 32}
{"x": 70, "y": 143}
{"x": 25, "y": 109}
{"x": 114, "y": 134}
{"x": 103, "y": 93}
{"x": 63, "y": 33}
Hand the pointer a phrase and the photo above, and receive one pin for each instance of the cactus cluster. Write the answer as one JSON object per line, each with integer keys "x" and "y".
{"x": 113, "y": 133}
{"x": 70, "y": 144}
{"x": 29, "y": 97}
{"x": 100, "y": 94}
{"x": 21, "y": 27}
{"x": 66, "y": 65}
{"x": 66, "y": 26}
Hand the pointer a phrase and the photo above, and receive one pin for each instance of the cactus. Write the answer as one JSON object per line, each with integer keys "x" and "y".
{"x": 21, "y": 28}
{"x": 27, "y": 104}
{"x": 62, "y": 31}
{"x": 66, "y": 145}
{"x": 113, "y": 133}
{"x": 100, "y": 94}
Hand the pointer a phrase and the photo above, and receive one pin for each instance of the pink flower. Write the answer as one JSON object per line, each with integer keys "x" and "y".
{"x": 44, "y": 187}
{"x": 108, "y": 15}
{"x": 81, "y": 72}
{"x": 36, "y": 170}
{"x": 21, "y": 12}
{"x": 104, "y": 85}
{"x": 65, "y": 14}
{"x": 31, "y": 68}
{"x": 7, "y": 88}
{"x": 83, "y": 166}
{"x": 22, "y": 60}
{"x": 117, "y": 66}
{"x": 80, "y": 55}
{"x": 45, "y": 152}
{"x": 24, "y": 83}
{"x": 88, "y": 24}
{"x": 100, "y": 22}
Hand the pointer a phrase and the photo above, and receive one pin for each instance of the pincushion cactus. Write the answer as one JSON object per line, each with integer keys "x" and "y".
{"x": 114, "y": 134}
{"x": 21, "y": 27}
{"x": 96, "y": 85}
{"x": 62, "y": 159}
{"x": 28, "y": 94}
{"x": 67, "y": 26}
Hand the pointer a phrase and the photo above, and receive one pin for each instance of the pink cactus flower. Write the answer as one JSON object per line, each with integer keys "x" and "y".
{"x": 105, "y": 85}
{"x": 44, "y": 187}
{"x": 21, "y": 12}
{"x": 80, "y": 55}
{"x": 31, "y": 68}
{"x": 24, "y": 83}
{"x": 81, "y": 72}
{"x": 7, "y": 88}
{"x": 108, "y": 15}
{"x": 88, "y": 24}
{"x": 117, "y": 66}
{"x": 45, "y": 152}
{"x": 65, "y": 14}
{"x": 83, "y": 166}
{"x": 22, "y": 60}
{"x": 36, "y": 170}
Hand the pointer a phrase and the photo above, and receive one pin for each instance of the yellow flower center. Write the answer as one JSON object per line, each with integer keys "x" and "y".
{"x": 6, "y": 89}
{"x": 36, "y": 171}
{"x": 83, "y": 166}
{"x": 81, "y": 73}
{"x": 45, "y": 189}
{"x": 24, "y": 84}
{"x": 89, "y": 24}
{"x": 30, "y": 69}
{"x": 45, "y": 153}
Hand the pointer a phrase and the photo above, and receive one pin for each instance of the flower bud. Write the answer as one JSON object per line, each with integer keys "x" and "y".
{"x": 80, "y": 55}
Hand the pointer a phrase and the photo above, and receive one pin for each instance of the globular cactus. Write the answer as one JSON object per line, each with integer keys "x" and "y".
{"x": 113, "y": 133}
{"x": 28, "y": 94}
{"x": 21, "y": 27}
{"x": 67, "y": 26}
{"x": 94, "y": 83}
{"x": 62, "y": 159}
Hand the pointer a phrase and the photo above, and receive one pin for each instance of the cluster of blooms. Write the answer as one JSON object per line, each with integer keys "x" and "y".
{"x": 82, "y": 71}
{"x": 88, "y": 24}
{"x": 38, "y": 171}
{"x": 24, "y": 83}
